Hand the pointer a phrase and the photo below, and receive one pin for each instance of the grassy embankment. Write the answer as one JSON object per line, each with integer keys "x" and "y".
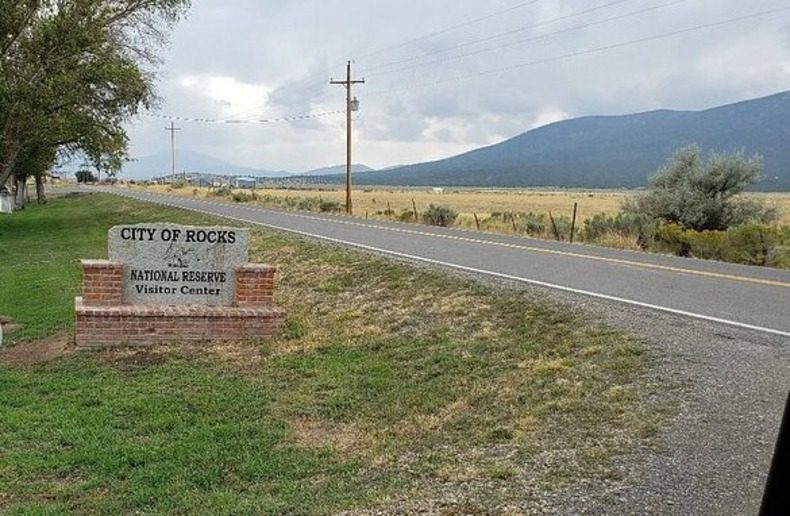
{"x": 393, "y": 386}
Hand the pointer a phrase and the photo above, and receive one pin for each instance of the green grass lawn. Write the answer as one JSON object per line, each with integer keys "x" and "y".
{"x": 393, "y": 387}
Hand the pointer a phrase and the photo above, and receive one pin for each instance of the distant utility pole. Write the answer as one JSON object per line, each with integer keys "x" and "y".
{"x": 173, "y": 130}
{"x": 351, "y": 105}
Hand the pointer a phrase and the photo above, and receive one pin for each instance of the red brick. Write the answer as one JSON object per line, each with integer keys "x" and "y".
{"x": 145, "y": 325}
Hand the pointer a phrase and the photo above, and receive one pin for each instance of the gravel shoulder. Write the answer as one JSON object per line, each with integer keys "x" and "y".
{"x": 729, "y": 387}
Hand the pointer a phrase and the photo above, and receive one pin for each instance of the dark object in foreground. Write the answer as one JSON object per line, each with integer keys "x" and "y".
{"x": 775, "y": 498}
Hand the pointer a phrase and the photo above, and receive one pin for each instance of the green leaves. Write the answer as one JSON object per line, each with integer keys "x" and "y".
{"x": 71, "y": 72}
{"x": 700, "y": 194}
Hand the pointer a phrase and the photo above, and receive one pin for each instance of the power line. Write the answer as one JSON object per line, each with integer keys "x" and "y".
{"x": 498, "y": 35}
{"x": 579, "y": 53}
{"x": 530, "y": 39}
{"x": 448, "y": 29}
{"x": 289, "y": 118}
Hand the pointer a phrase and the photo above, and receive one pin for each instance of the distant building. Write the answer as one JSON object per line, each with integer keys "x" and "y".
{"x": 245, "y": 182}
{"x": 438, "y": 190}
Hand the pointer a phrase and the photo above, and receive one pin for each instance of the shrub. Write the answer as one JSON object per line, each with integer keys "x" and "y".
{"x": 307, "y": 204}
{"x": 708, "y": 245}
{"x": 622, "y": 227}
{"x": 222, "y": 191}
{"x": 243, "y": 196}
{"x": 439, "y": 216}
{"x": 671, "y": 237}
{"x": 700, "y": 195}
{"x": 495, "y": 222}
{"x": 407, "y": 216}
{"x": 179, "y": 183}
{"x": 524, "y": 223}
{"x": 619, "y": 241}
{"x": 756, "y": 244}
{"x": 752, "y": 244}
{"x": 329, "y": 206}
{"x": 531, "y": 223}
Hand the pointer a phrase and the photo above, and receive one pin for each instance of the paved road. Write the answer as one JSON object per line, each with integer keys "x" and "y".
{"x": 754, "y": 298}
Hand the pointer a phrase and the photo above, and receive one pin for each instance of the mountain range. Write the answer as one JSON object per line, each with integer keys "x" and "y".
{"x": 337, "y": 169}
{"x": 611, "y": 151}
{"x": 189, "y": 161}
{"x": 619, "y": 151}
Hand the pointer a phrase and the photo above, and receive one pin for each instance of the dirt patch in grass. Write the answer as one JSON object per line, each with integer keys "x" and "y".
{"x": 309, "y": 432}
{"x": 241, "y": 357}
{"x": 36, "y": 352}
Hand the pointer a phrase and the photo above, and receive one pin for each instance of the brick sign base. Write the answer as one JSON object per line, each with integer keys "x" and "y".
{"x": 103, "y": 321}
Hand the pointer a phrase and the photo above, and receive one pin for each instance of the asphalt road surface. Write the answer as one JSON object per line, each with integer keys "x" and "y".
{"x": 753, "y": 298}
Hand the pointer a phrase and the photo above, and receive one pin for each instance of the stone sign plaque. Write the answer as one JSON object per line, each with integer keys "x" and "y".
{"x": 167, "y": 264}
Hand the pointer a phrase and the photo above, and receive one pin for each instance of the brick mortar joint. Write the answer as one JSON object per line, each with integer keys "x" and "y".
{"x": 101, "y": 264}
{"x": 256, "y": 268}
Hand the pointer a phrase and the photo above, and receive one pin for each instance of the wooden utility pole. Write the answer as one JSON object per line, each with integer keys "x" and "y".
{"x": 173, "y": 130}
{"x": 348, "y": 83}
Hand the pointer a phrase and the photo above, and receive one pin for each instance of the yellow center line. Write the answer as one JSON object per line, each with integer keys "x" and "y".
{"x": 618, "y": 261}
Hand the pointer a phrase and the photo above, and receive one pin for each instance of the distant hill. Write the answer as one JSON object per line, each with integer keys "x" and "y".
{"x": 338, "y": 169}
{"x": 612, "y": 151}
{"x": 189, "y": 161}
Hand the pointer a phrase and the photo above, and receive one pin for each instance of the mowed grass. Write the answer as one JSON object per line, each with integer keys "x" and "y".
{"x": 394, "y": 388}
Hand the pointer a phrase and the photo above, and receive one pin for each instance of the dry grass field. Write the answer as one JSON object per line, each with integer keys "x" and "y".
{"x": 467, "y": 202}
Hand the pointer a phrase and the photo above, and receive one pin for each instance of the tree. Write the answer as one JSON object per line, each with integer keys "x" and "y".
{"x": 71, "y": 72}
{"x": 85, "y": 176}
{"x": 701, "y": 194}
{"x": 34, "y": 160}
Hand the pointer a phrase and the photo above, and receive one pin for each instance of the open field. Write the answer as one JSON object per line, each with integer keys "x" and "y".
{"x": 483, "y": 202}
{"x": 533, "y": 214}
{"x": 394, "y": 388}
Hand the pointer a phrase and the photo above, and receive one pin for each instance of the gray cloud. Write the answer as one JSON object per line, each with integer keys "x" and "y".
{"x": 267, "y": 58}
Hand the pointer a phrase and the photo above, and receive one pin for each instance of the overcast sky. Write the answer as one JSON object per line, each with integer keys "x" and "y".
{"x": 252, "y": 59}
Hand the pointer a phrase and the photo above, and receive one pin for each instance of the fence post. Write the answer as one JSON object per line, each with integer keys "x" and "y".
{"x": 554, "y": 227}
{"x": 513, "y": 221}
{"x": 477, "y": 221}
{"x": 573, "y": 221}
{"x": 414, "y": 205}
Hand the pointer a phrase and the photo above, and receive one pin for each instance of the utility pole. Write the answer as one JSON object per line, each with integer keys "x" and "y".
{"x": 173, "y": 130}
{"x": 351, "y": 105}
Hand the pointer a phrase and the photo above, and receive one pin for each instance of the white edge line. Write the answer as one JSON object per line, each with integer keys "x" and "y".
{"x": 484, "y": 272}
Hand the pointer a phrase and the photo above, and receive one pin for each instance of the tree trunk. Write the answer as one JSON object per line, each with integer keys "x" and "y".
{"x": 21, "y": 193}
{"x": 7, "y": 165}
{"x": 41, "y": 194}
{"x": 5, "y": 172}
